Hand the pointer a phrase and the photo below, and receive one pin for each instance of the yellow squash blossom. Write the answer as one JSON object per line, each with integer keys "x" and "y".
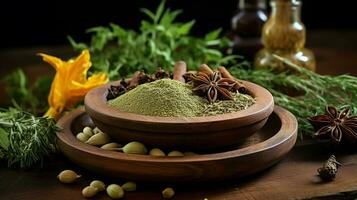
{"x": 70, "y": 83}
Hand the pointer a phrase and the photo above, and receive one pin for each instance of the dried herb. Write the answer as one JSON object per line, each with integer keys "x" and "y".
{"x": 240, "y": 102}
{"x": 160, "y": 74}
{"x": 139, "y": 78}
{"x": 115, "y": 90}
{"x": 335, "y": 124}
{"x": 329, "y": 170}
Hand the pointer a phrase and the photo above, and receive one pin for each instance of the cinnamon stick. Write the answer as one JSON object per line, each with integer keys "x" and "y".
{"x": 225, "y": 74}
{"x": 135, "y": 79}
{"x": 205, "y": 69}
{"x": 179, "y": 70}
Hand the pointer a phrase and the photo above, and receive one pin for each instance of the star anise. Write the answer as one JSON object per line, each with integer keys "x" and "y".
{"x": 160, "y": 74}
{"x": 335, "y": 124}
{"x": 213, "y": 86}
{"x": 115, "y": 90}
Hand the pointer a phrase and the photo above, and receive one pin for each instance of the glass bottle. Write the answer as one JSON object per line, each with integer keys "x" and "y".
{"x": 246, "y": 27}
{"x": 284, "y": 35}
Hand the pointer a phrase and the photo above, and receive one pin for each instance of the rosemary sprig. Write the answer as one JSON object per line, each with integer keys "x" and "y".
{"x": 29, "y": 138}
{"x": 316, "y": 90}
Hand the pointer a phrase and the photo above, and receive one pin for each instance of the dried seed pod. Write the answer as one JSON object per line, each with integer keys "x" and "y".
{"x": 111, "y": 146}
{"x": 96, "y": 130}
{"x": 98, "y": 184}
{"x": 329, "y": 170}
{"x": 114, "y": 191}
{"x": 98, "y": 139}
{"x": 82, "y": 137}
{"x": 68, "y": 176}
{"x": 156, "y": 152}
{"x": 134, "y": 148}
{"x": 129, "y": 186}
{"x": 189, "y": 153}
{"x": 168, "y": 193}
{"x": 88, "y": 131}
{"x": 175, "y": 154}
{"x": 89, "y": 191}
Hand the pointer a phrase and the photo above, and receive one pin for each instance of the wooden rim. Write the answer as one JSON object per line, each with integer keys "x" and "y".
{"x": 96, "y": 106}
{"x": 287, "y": 131}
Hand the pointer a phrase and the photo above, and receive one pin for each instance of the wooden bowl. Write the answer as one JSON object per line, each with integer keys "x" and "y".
{"x": 180, "y": 132}
{"x": 258, "y": 152}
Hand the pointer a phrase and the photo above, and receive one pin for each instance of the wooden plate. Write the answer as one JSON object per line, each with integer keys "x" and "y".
{"x": 180, "y": 132}
{"x": 261, "y": 150}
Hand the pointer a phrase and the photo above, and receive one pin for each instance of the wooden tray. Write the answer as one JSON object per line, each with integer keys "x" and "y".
{"x": 260, "y": 151}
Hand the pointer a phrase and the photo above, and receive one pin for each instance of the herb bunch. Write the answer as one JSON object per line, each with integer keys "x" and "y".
{"x": 160, "y": 43}
{"x": 27, "y": 96}
{"x": 316, "y": 90}
{"x": 24, "y": 138}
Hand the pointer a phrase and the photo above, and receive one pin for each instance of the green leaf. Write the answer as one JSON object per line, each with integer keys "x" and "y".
{"x": 186, "y": 27}
{"x": 213, "y": 35}
{"x": 159, "y": 12}
{"x": 4, "y": 140}
{"x": 2, "y": 154}
{"x": 168, "y": 17}
{"x": 117, "y": 30}
{"x": 75, "y": 45}
{"x": 148, "y": 13}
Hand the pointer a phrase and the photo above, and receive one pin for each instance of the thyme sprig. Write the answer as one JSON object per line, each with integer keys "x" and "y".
{"x": 26, "y": 139}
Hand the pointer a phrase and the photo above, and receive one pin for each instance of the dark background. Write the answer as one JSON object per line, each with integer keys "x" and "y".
{"x": 36, "y": 23}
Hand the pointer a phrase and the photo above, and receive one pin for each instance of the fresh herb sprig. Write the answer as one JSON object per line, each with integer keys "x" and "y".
{"x": 24, "y": 138}
{"x": 315, "y": 91}
{"x": 28, "y": 96}
{"x": 160, "y": 43}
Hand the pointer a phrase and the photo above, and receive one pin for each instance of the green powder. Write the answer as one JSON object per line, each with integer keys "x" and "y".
{"x": 170, "y": 98}
{"x": 165, "y": 98}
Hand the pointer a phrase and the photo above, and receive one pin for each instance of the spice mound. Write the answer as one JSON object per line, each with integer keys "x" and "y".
{"x": 164, "y": 98}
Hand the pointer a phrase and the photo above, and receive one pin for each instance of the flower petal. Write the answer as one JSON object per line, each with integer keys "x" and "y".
{"x": 55, "y": 62}
{"x": 77, "y": 69}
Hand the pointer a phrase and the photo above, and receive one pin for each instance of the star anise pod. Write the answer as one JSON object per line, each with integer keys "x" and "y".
{"x": 160, "y": 74}
{"x": 212, "y": 86}
{"x": 115, "y": 90}
{"x": 335, "y": 124}
{"x": 145, "y": 78}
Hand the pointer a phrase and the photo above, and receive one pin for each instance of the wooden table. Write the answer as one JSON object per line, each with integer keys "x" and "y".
{"x": 293, "y": 178}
